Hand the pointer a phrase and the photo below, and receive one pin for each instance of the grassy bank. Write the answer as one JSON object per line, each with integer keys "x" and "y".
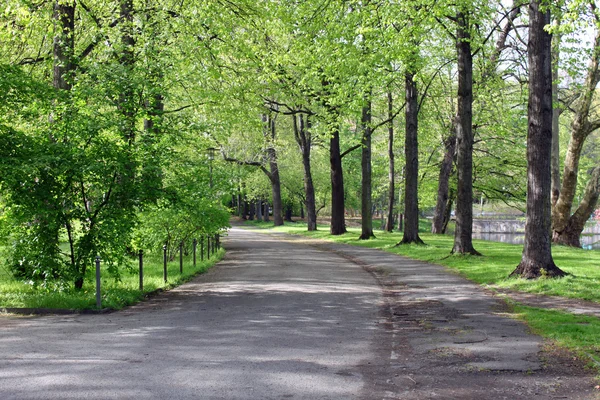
{"x": 116, "y": 294}
{"x": 578, "y": 333}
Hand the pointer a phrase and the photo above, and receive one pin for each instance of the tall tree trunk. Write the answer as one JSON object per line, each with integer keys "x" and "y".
{"x": 463, "y": 235}
{"x": 274, "y": 170}
{"x": 536, "y": 259}
{"x": 389, "y": 226}
{"x": 266, "y": 212}
{"x": 555, "y": 160}
{"x": 448, "y": 211}
{"x": 366, "y": 195}
{"x": 411, "y": 151}
{"x": 338, "y": 222}
{"x": 64, "y": 44}
{"x": 564, "y": 227}
{"x": 303, "y": 137}
{"x": 259, "y": 206}
{"x": 63, "y": 68}
{"x": 288, "y": 212}
{"x": 251, "y": 210}
{"x": 444, "y": 181}
{"x": 439, "y": 220}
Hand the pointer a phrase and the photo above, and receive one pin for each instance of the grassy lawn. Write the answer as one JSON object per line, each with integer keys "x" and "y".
{"x": 578, "y": 333}
{"x": 115, "y": 294}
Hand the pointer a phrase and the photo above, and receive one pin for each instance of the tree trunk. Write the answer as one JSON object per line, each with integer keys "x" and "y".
{"x": 411, "y": 152}
{"x": 444, "y": 181}
{"x": 555, "y": 160}
{"x": 570, "y": 236}
{"x": 563, "y": 230}
{"x": 463, "y": 235}
{"x": 64, "y": 44}
{"x": 288, "y": 212}
{"x": 266, "y": 212}
{"x": 338, "y": 222}
{"x": 389, "y": 226}
{"x": 536, "y": 259}
{"x": 259, "y": 206}
{"x": 439, "y": 219}
{"x": 274, "y": 171}
{"x": 303, "y": 137}
{"x": 251, "y": 210}
{"x": 448, "y": 211}
{"x": 366, "y": 195}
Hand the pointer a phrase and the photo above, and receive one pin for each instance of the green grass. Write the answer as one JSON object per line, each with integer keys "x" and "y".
{"x": 578, "y": 333}
{"x": 115, "y": 294}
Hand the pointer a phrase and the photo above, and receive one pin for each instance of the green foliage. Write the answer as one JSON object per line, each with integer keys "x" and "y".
{"x": 175, "y": 222}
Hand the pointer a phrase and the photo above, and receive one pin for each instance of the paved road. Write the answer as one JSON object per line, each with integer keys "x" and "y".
{"x": 285, "y": 318}
{"x": 274, "y": 320}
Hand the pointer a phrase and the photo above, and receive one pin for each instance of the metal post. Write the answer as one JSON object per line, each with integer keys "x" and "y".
{"x": 181, "y": 257}
{"x": 201, "y": 248}
{"x": 165, "y": 263}
{"x": 98, "y": 297}
{"x": 194, "y": 244}
{"x": 141, "y": 270}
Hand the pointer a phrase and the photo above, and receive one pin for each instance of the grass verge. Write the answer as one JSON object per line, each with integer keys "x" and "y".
{"x": 116, "y": 293}
{"x": 578, "y": 333}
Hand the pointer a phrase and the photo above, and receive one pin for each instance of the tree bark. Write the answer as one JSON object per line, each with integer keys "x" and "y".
{"x": 288, "y": 212}
{"x": 251, "y": 210}
{"x": 536, "y": 259}
{"x": 338, "y": 222}
{"x": 439, "y": 219}
{"x": 444, "y": 181}
{"x": 303, "y": 137}
{"x": 463, "y": 234}
{"x": 411, "y": 152}
{"x": 572, "y": 233}
{"x": 274, "y": 171}
{"x": 366, "y": 182}
{"x": 389, "y": 226}
{"x": 448, "y": 211}
{"x": 259, "y": 206}
{"x": 581, "y": 127}
{"x": 555, "y": 160}
{"x": 64, "y": 44}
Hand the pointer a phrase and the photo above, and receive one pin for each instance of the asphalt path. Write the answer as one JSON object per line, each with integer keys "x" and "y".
{"x": 283, "y": 317}
{"x": 273, "y": 320}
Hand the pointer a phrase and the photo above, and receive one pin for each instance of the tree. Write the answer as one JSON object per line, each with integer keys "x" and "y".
{"x": 536, "y": 259}
{"x": 567, "y": 226}
{"x": 303, "y": 136}
{"x": 411, "y": 149}
{"x": 463, "y": 234}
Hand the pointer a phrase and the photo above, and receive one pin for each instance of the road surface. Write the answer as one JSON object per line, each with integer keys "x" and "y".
{"x": 286, "y": 318}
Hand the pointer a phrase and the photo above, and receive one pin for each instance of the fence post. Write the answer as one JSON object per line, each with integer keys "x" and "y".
{"x": 141, "y": 270}
{"x": 181, "y": 257}
{"x": 208, "y": 247}
{"x": 165, "y": 263}
{"x": 202, "y": 248}
{"x": 98, "y": 297}
{"x": 194, "y": 244}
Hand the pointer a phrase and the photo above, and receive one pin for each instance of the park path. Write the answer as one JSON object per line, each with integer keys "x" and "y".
{"x": 284, "y": 317}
